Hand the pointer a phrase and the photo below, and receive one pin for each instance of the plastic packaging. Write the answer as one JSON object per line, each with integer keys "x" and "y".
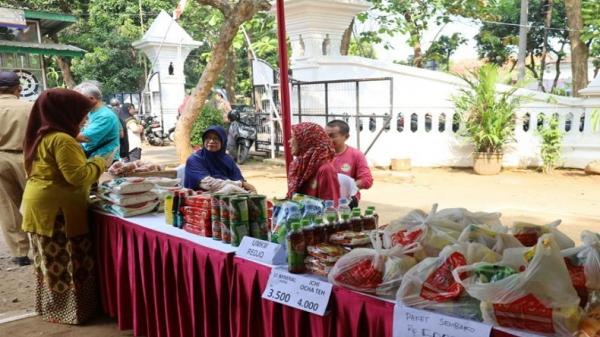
{"x": 430, "y": 285}
{"x": 540, "y": 299}
{"x": 583, "y": 264}
{"x": 529, "y": 234}
{"x": 496, "y": 241}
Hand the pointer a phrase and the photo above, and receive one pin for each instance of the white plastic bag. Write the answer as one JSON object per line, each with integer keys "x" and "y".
{"x": 433, "y": 232}
{"x": 496, "y": 241}
{"x": 529, "y": 234}
{"x": 377, "y": 271}
{"x": 539, "y": 299}
{"x": 583, "y": 264}
{"x": 430, "y": 285}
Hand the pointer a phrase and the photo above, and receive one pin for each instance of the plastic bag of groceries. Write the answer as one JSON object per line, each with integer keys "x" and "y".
{"x": 539, "y": 298}
{"x": 430, "y": 285}
{"x": 432, "y": 232}
{"x": 529, "y": 234}
{"x": 377, "y": 271}
{"x": 583, "y": 264}
{"x": 497, "y": 241}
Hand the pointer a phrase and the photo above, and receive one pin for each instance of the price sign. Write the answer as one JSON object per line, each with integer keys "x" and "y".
{"x": 262, "y": 251}
{"x": 409, "y": 322}
{"x": 298, "y": 291}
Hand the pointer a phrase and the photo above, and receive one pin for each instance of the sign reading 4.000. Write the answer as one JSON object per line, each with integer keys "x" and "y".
{"x": 301, "y": 292}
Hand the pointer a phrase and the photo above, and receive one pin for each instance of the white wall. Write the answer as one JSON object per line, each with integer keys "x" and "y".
{"x": 422, "y": 92}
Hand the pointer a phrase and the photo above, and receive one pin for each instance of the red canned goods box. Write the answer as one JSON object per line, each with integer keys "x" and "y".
{"x": 197, "y": 220}
{"x": 198, "y": 230}
{"x": 200, "y": 200}
{"x": 195, "y": 211}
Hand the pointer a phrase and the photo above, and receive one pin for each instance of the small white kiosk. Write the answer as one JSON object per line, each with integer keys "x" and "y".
{"x": 166, "y": 45}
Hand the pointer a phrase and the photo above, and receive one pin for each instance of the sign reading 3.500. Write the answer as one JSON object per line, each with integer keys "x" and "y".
{"x": 301, "y": 292}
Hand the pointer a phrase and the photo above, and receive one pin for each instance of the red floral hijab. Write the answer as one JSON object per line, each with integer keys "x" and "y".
{"x": 314, "y": 149}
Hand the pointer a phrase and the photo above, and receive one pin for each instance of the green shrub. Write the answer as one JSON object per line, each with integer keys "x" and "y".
{"x": 210, "y": 115}
{"x": 488, "y": 115}
{"x": 551, "y": 145}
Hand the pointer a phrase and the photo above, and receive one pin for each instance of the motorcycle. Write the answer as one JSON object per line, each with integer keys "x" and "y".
{"x": 153, "y": 131}
{"x": 242, "y": 133}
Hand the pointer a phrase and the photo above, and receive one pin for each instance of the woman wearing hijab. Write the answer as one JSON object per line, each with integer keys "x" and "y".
{"x": 55, "y": 204}
{"x": 312, "y": 171}
{"x": 211, "y": 169}
{"x": 133, "y": 130}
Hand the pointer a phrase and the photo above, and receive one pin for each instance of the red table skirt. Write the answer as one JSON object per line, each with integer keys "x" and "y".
{"x": 349, "y": 313}
{"x": 159, "y": 285}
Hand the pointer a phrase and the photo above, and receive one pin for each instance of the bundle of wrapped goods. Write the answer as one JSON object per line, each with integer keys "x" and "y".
{"x": 376, "y": 271}
{"x": 430, "y": 285}
{"x": 496, "y": 241}
{"x": 537, "y": 296}
{"x": 350, "y": 239}
{"x": 583, "y": 264}
{"x": 321, "y": 258}
{"x": 127, "y": 197}
{"x": 197, "y": 214}
{"x": 529, "y": 234}
{"x": 162, "y": 187}
{"x": 120, "y": 169}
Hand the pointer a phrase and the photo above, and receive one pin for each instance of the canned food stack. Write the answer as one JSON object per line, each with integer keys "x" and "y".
{"x": 234, "y": 216}
{"x": 197, "y": 214}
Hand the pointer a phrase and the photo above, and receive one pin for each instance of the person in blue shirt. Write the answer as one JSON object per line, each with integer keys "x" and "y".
{"x": 101, "y": 133}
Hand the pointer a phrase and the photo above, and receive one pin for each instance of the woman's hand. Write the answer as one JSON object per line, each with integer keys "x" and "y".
{"x": 248, "y": 187}
{"x": 109, "y": 158}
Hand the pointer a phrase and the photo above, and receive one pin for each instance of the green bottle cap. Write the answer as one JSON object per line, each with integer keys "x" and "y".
{"x": 305, "y": 222}
{"x": 371, "y": 208}
{"x": 369, "y": 211}
{"x": 345, "y": 216}
{"x": 318, "y": 221}
{"x": 356, "y": 211}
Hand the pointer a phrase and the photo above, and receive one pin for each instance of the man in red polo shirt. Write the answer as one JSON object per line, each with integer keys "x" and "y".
{"x": 348, "y": 160}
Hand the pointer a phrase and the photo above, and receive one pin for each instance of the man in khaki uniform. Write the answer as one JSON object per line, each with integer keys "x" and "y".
{"x": 14, "y": 115}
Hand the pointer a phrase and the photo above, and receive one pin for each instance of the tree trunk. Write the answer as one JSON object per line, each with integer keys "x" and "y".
{"x": 346, "y": 38}
{"x": 547, "y": 10}
{"x": 65, "y": 66}
{"x": 531, "y": 66}
{"x": 579, "y": 50}
{"x": 235, "y": 14}
{"x": 418, "y": 55}
{"x": 559, "y": 56}
{"x": 229, "y": 75}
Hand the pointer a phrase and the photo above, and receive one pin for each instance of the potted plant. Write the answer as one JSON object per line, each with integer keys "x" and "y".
{"x": 488, "y": 117}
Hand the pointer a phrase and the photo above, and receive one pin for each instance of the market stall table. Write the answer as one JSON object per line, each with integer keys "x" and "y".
{"x": 159, "y": 280}
{"x": 162, "y": 281}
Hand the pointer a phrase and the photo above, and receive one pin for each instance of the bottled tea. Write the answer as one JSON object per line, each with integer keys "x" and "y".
{"x": 308, "y": 230}
{"x": 375, "y": 215}
{"x": 344, "y": 224}
{"x": 369, "y": 220}
{"x": 356, "y": 221}
{"x": 296, "y": 249}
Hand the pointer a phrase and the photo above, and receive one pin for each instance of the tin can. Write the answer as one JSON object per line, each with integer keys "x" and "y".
{"x": 239, "y": 229}
{"x": 224, "y": 207}
{"x": 216, "y": 227}
{"x": 257, "y": 208}
{"x": 169, "y": 209}
{"x": 225, "y": 231}
{"x": 215, "y": 204}
{"x": 238, "y": 209}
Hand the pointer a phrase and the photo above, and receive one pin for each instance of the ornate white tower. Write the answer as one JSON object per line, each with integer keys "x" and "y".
{"x": 167, "y": 46}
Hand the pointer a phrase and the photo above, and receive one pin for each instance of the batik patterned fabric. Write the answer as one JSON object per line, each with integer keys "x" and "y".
{"x": 314, "y": 149}
{"x": 64, "y": 268}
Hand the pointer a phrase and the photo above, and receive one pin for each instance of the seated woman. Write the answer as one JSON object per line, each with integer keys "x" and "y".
{"x": 55, "y": 205}
{"x": 312, "y": 171}
{"x": 211, "y": 169}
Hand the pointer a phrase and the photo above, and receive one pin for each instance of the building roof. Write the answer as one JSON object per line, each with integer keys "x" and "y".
{"x": 40, "y": 48}
{"x": 50, "y": 22}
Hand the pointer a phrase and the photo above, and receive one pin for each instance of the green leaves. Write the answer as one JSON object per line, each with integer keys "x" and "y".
{"x": 551, "y": 145}
{"x": 488, "y": 116}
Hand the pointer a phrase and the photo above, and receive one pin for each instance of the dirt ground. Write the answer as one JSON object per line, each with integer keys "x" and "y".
{"x": 523, "y": 195}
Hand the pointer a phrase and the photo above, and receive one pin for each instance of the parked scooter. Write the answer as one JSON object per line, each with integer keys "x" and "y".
{"x": 242, "y": 132}
{"x": 153, "y": 131}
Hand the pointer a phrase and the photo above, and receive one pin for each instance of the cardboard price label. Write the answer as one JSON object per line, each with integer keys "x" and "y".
{"x": 298, "y": 291}
{"x": 410, "y": 322}
{"x": 262, "y": 251}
